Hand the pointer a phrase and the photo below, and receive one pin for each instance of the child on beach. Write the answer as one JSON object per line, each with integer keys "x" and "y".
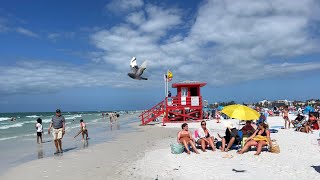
{"x": 218, "y": 117}
{"x": 285, "y": 116}
{"x": 39, "y": 130}
{"x": 83, "y": 130}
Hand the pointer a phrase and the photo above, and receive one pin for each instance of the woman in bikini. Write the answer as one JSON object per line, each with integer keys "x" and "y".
{"x": 259, "y": 138}
{"x": 205, "y": 137}
{"x": 185, "y": 138}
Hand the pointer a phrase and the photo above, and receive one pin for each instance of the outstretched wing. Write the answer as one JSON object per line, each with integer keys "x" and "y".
{"x": 141, "y": 68}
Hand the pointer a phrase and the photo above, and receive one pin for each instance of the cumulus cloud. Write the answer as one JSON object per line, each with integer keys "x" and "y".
{"x": 26, "y": 32}
{"x": 227, "y": 42}
{"x": 44, "y": 77}
{"x": 120, "y": 6}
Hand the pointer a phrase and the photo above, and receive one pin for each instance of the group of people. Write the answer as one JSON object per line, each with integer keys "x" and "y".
{"x": 58, "y": 126}
{"x": 113, "y": 116}
{"x": 305, "y": 123}
{"x": 203, "y": 137}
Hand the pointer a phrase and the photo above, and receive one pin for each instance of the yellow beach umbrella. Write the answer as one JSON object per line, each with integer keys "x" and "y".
{"x": 241, "y": 112}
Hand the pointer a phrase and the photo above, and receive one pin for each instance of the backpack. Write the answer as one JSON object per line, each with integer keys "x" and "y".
{"x": 176, "y": 148}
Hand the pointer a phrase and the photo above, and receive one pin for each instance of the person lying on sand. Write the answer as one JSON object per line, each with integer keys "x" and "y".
{"x": 259, "y": 138}
{"x": 185, "y": 138}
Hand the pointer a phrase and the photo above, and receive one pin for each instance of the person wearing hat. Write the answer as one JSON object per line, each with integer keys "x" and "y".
{"x": 58, "y": 124}
{"x": 231, "y": 137}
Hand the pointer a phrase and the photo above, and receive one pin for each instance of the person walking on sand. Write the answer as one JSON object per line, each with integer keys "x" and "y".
{"x": 285, "y": 115}
{"x": 58, "y": 124}
{"x": 83, "y": 130}
{"x": 39, "y": 130}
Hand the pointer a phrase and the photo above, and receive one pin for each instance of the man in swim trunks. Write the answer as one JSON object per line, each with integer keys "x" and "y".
{"x": 58, "y": 124}
{"x": 285, "y": 115}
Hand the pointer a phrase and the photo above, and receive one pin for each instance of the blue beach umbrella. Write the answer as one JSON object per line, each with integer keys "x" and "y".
{"x": 220, "y": 108}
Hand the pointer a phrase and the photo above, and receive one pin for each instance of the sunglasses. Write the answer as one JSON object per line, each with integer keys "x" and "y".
{"x": 203, "y": 124}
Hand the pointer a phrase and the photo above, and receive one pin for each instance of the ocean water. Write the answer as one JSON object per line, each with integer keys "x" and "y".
{"x": 18, "y": 138}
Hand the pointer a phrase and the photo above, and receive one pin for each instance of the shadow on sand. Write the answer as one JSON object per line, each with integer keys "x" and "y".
{"x": 69, "y": 149}
{"x": 317, "y": 168}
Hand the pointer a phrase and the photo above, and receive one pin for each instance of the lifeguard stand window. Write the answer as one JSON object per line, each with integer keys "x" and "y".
{"x": 194, "y": 91}
{"x": 184, "y": 92}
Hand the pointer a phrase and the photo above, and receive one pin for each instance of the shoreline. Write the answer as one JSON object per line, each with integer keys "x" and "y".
{"x": 25, "y": 149}
{"x": 100, "y": 161}
{"x": 146, "y": 154}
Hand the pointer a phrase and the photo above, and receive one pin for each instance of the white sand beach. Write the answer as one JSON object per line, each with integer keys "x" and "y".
{"x": 146, "y": 154}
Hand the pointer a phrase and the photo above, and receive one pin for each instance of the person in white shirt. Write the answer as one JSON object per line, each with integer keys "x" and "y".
{"x": 39, "y": 130}
{"x": 205, "y": 137}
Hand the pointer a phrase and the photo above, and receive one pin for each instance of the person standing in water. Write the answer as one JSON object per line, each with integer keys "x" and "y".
{"x": 83, "y": 130}
{"x": 39, "y": 130}
{"x": 58, "y": 124}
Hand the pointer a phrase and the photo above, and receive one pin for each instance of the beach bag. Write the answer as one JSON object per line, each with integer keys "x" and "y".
{"x": 176, "y": 148}
{"x": 275, "y": 148}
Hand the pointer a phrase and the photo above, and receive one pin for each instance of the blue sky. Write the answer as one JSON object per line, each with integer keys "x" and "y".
{"x": 75, "y": 54}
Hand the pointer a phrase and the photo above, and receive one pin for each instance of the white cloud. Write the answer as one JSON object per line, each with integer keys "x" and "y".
{"x": 228, "y": 41}
{"x": 26, "y": 32}
{"x": 64, "y": 35}
{"x": 136, "y": 18}
{"x": 34, "y": 77}
{"x": 119, "y": 6}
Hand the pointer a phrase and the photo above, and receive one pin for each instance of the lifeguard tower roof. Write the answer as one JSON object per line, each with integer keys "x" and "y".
{"x": 188, "y": 83}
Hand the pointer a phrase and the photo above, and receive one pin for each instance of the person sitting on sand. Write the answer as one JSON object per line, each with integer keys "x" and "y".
{"x": 306, "y": 127}
{"x": 259, "y": 138}
{"x": 205, "y": 137}
{"x": 231, "y": 137}
{"x": 247, "y": 130}
{"x": 297, "y": 120}
{"x": 314, "y": 121}
{"x": 83, "y": 130}
{"x": 185, "y": 138}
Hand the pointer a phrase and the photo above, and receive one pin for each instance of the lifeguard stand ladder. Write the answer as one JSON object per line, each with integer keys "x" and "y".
{"x": 186, "y": 106}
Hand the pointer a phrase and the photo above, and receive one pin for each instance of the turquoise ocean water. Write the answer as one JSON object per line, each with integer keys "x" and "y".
{"x": 18, "y": 138}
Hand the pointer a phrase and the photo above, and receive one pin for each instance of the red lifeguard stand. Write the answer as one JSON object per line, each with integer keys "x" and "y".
{"x": 185, "y": 106}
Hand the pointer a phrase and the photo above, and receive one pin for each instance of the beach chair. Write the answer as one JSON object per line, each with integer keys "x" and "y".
{"x": 196, "y": 137}
{"x": 301, "y": 123}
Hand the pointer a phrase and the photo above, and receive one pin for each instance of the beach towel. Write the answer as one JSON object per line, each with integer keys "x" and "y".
{"x": 176, "y": 148}
{"x": 260, "y": 138}
{"x": 273, "y": 130}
